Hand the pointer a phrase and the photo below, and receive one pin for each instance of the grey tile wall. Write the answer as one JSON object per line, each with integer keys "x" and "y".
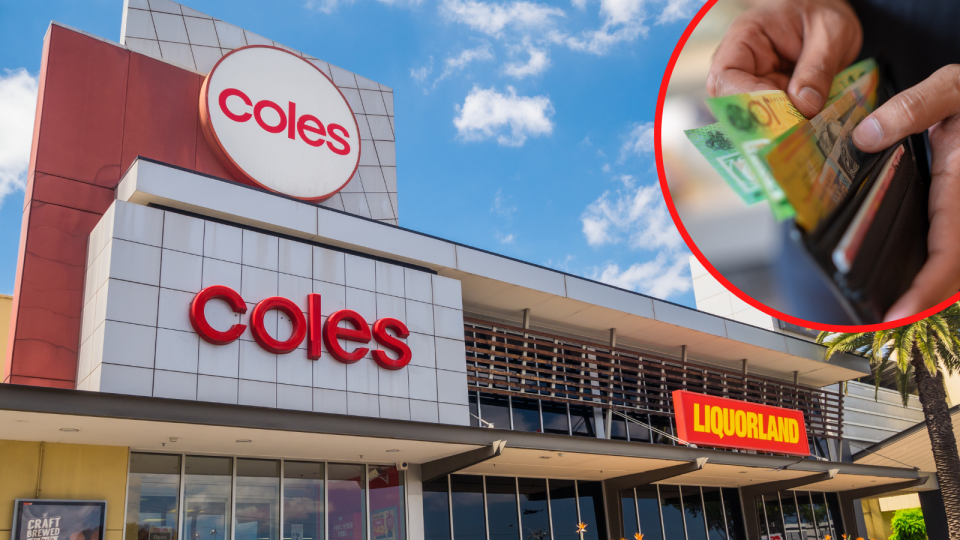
{"x": 175, "y": 33}
{"x": 145, "y": 265}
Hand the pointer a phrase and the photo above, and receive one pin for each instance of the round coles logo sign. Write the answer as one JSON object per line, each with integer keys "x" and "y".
{"x": 279, "y": 122}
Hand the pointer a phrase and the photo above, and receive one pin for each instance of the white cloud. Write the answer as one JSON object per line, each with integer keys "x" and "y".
{"x": 329, "y": 6}
{"x": 663, "y": 276}
{"x": 505, "y": 238}
{"x": 538, "y": 63}
{"x": 502, "y": 206}
{"x": 622, "y": 22}
{"x": 420, "y": 74}
{"x": 579, "y": 4}
{"x": 639, "y": 142}
{"x": 510, "y": 118}
{"x": 677, "y": 10}
{"x": 18, "y": 107}
{"x": 639, "y": 216}
{"x": 492, "y": 18}
{"x": 466, "y": 57}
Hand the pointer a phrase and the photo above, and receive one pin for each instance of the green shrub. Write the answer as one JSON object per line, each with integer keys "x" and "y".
{"x": 908, "y": 525}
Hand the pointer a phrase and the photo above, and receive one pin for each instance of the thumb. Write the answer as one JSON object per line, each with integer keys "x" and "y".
{"x": 911, "y": 111}
{"x": 820, "y": 59}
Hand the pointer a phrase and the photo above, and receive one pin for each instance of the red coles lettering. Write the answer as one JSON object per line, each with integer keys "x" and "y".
{"x": 342, "y": 325}
{"x": 309, "y": 128}
{"x": 332, "y": 331}
{"x": 260, "y": 332}
{"x": 383, "y": 338}
{"x": 198, "y": 318}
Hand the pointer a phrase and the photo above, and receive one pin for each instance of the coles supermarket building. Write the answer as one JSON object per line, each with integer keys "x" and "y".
{"x": 221, "y": 332}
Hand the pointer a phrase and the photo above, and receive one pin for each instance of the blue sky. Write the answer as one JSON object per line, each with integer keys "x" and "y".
{"x": 523, "y": 128}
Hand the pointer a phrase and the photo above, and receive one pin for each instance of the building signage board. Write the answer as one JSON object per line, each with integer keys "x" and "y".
{"x": 43, "y": 519}
{"x": 729, "y": 423}
{"x": 279, "y": 122}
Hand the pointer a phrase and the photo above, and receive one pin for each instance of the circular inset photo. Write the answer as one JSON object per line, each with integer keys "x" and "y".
{"x": 792, "y": 172}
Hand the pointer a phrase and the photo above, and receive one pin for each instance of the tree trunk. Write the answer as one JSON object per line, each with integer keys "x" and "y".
{"x": 943, "y": 442}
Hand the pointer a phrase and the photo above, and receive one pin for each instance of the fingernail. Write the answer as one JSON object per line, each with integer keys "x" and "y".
{"x": 868, "y": 133}
{"x": 811, "y": 97}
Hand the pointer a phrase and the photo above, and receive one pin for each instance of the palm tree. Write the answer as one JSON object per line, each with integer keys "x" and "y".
{"x": 919, "y": 353}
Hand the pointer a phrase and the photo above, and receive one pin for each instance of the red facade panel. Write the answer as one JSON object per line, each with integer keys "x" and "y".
{"x": 71, "y": 194}
{"x": 50, "y": 298}
{"x": 100, "y": 106}
{"x": 161, "y": 113}
{"x": 81, "y": 124}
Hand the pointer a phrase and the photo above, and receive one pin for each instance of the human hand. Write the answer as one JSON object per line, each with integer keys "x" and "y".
{"x": 933, "y": 104}
{"x": 797, "y": 46}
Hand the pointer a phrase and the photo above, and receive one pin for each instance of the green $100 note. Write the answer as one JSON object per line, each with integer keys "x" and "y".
{"x": 752, "y": 121}
{"x": 715, "y": 145}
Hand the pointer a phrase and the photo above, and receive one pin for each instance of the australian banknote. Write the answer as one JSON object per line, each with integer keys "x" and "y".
{"x": 752, "y": 121}
{"x": 714, "y": 144}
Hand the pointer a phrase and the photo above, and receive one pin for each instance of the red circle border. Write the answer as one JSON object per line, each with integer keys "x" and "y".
{"x": 665, "y": 188}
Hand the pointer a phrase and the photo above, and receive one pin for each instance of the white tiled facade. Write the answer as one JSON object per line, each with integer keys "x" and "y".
{"x": 177, "y": 34}
{"x": 145, "y": 265}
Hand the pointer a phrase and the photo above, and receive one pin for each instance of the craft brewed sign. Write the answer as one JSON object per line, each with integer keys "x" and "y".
{"x": 730, "y": 423}
{"x": 50, "y": 519}
{"x": 277, "y": 121}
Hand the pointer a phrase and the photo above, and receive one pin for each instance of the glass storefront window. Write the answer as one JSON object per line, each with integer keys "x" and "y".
{"x": 207, "y": 498}
{"x": 436, "y": 509}
{"x": 648, "y": 508}
{"x": 466, "y": 494}
{"x": 618, "y": 427}
{"x": 672, "y": 511}
{"x": 820, "y": 514}
{"x": 386, "y": 504}
{"x": 346, "y": 488}
{"x": 258, "y": 500}
{"x": 591, "y": 510}
{"x": 563, "y": 509}
{"x": 833, "y": 508}
{"x": 495, "y": 409}
{"x": 526, "y": 414}
{"x": 555, "y": 418}
{"x": 582, "y": 418}
{"x": 734, "y": 514}
{"x": 502, "y": 508}
{"x": 805, "y": 513}
{"x": 474, "y": 410}
{"x": 628, "y": 507}
{"x": 771, "y": 503}
{"x": 534, "y": 511}
{"x": 762, "y": 518}
{"x": 713, "y": 510}
{"x": 693, "y": 511}
{"x": 639, "y": 433}
{"x": 791, "y": 520}
{"x": 302, "y": 501}
{"x": 153, "y": 497}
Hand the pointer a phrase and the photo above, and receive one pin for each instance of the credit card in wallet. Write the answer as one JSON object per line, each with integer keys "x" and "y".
{"x": 848, "y": 247}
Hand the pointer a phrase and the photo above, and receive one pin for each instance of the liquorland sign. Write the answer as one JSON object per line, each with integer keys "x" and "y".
{"x": 278, "y": 121}
{"x": 318, "y": 333}
{"x": 730, "y": 423}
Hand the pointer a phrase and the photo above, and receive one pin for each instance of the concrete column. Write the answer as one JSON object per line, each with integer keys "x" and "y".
{"x": 414, "y": 489}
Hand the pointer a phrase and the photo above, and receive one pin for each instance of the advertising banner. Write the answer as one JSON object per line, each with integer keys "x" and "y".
{"x": 41, "y": 519}
{"x": 730, "y": 423}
